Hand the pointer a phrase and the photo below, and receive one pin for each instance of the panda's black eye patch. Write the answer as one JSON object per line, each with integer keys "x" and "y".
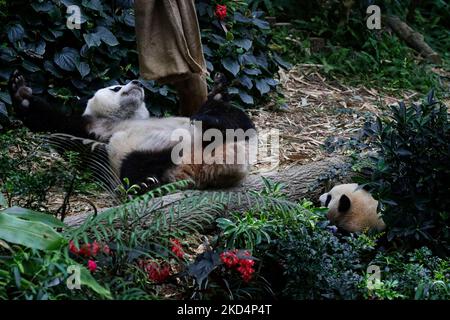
{"x": 116, "y": 89}
{"x": 328, "y": 200}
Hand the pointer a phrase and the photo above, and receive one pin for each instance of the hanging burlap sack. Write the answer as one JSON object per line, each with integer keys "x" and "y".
{"x": 168, "y": 39}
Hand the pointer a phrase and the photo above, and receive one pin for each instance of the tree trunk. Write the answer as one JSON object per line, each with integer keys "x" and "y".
{"x": 413, "y": 38}
{"x": 307, "y": 181}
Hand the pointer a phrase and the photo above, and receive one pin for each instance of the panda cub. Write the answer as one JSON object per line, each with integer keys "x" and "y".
{"x": 352, "y": 209}
{"x": 138, "y": 147}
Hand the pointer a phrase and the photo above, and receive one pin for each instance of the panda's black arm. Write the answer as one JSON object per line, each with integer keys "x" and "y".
{"x": 41, "y": 116}
{"x": 218, "y": 113}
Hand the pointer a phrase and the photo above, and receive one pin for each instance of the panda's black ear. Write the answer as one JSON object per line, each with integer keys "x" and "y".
{"x": 344, "y": 203}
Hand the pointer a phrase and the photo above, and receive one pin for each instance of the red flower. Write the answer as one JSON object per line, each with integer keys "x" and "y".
{"x": 176, "y": 248}
{"x": 155, "y": 271}
{"x": 88, "y": 249}
{"x": 85, "y": 250}
{"x": 229, "y": 258}
{"x": 92, "y": 265}
{"x": 221, "y": 11}
{"x": 95, "y": 248}
{"x": 243, "y": 266}
{"x": 73, "y": 248}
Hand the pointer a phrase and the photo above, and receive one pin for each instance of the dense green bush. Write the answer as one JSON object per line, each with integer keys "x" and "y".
{"x": 334, "y": 35}
{"x": 65, "y": 64}
{"x": 410, "y": 174}
{"x": 28, "y": 172}
{"x": 412, "y": 275}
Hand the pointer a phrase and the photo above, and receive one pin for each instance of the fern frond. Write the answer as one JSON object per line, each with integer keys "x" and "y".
{"x": 152, "y": 219}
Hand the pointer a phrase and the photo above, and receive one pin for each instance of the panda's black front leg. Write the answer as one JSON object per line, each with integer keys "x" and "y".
{"x": 146, "y": 169}
{"x": 39, "y": 115}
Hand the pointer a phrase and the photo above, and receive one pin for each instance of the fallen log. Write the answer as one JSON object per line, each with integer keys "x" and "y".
{"x": 413, "y": 38}
{"x": 307, "y": 181}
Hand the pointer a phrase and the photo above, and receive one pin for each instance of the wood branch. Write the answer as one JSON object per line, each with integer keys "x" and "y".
{"x": 302, "y": 182}
{"x": 413, "y": 38}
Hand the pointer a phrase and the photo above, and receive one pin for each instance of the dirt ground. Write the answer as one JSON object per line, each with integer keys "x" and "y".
{"x": 319, "y": 110}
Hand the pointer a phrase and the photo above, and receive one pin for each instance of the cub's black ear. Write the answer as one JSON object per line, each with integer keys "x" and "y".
{"x": 344, "y": 203}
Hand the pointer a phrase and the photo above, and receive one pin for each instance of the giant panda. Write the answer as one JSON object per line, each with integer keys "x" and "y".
{"x": 352, "y": 208}
{"x": 139, "y": 147}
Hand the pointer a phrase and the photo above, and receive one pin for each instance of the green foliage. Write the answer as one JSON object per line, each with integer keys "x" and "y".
{"x": 410, "y": 174}
{"x": 64, "y": 64}
{"x": 28, "y": 172}
{"x": 242, "y": 52}
{"x": 34, "y": 263}
{"x": 29, "y": 230}
{"x": 356, "y": 55}
{"x": 246, "y": 231}
{"x": 417, "y": 274}
{"x": 319, "y": 265}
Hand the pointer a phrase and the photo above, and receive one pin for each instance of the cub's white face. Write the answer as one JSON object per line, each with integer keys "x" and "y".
{"x": 118, "y": 102}
{"x": 332, "y": 198}
{"x": 352, "y": 208}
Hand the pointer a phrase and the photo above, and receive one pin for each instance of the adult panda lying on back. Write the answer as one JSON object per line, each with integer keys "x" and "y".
{"x": 139, "y": 147}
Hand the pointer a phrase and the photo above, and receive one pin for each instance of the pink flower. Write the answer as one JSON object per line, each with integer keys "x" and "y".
{"x": 92, "y": 265}
{"x": 221, "y": 11}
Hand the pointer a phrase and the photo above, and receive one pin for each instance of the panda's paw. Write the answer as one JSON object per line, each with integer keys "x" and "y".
{"x": 20, "y": 93}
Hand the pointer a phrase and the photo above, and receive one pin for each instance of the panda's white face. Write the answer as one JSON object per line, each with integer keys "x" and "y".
{"x": 118, "y": 102}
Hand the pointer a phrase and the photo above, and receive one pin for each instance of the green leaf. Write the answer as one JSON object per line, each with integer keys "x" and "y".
{"x": 107, "y": 36}
{"x": 261, "y": 24}
{"x": 93, "y": 4}
{"x": 27, "y": 65}
{"x": 281, "y": 62}
{"x": 15, "y": 33}
{"x": 67, "y": 59}
{"x": 3, "y": 202}
{"x": 83, "y": 69}
{"x": 231, "y": 65}
{"x": 88, "y": 280}
{"x": 5, "y": 97}
{"x": 262, "y": 86}
{"x": 50, "y": 67}
{"x": 243, "y": 43}
{"x": 92, "y": 39}
{"x": 29, "y": 233}
{"x": 34, "y": 216}
{"x": 246, "y": 98}
{"x": 42, "y": 7}
{"x": 246, "y": 82}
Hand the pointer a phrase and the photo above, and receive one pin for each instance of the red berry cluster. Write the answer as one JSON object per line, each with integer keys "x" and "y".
{"x": 156, "y": 272}
{"x": 89, "y": 250}
{"x": 242, "y": 265}
{"x": 221, "y": 11}
{"x": 177, "y": 248}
